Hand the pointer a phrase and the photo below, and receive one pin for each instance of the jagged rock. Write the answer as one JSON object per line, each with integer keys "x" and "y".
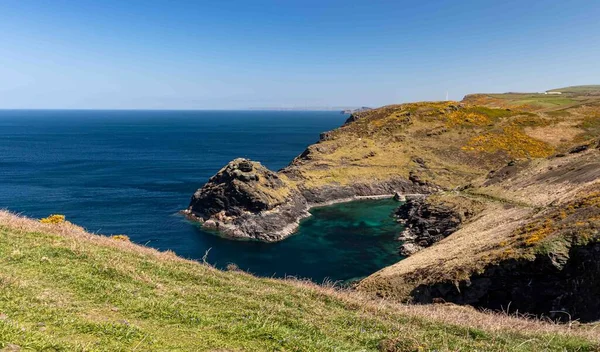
{"x": 245, "y": 165}
{"x": 240, "y": 186}
{"x": 399, "y": 197}
{"x": 246, "y": 200}
{"x": 429, "y": 222}
{"x": 578, "y": 149}
{"x": 326, "y": 136}
{"x": 419, "y": 161}
{"x": 408, "y": 249}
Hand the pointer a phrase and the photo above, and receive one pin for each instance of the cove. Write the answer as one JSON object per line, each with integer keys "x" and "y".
{"x": 130, "y": 172}
{"x": 340, "y": 242}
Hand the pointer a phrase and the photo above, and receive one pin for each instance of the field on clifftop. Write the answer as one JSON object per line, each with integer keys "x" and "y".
{"x": 63, "y": 289}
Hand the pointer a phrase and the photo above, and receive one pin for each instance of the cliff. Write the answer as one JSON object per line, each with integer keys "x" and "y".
{"x": 512, "y": 180}
{"x": 532, "y": 247}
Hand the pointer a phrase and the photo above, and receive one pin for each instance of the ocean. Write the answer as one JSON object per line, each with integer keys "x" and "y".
{"x": 130, "y": 172}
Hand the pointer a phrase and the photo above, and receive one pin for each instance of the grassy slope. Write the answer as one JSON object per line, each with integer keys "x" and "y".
{"x": 64, "y": 289}
{"x": 456, "y": 142}
{"x": 593, "y": 88}
{"x": 548, "y": 201}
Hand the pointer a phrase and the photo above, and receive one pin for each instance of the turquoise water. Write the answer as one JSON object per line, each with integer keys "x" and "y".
{"x": 131, "y": 172}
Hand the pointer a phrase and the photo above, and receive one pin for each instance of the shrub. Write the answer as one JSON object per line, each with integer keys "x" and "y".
{"x": 232, "y": 267}
{"x": 124, "y": 238}
{"x": 53, "y": 219}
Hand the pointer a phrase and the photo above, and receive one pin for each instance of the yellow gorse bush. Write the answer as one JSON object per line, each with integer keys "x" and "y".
{"x": 458, "y": 118}
{"x": 120, "y": 238}
{"x": 512, "y": 141}
{"x": 53, "y": 219}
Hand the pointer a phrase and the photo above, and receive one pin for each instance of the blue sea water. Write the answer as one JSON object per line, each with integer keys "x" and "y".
{"x": 130, "y": 172}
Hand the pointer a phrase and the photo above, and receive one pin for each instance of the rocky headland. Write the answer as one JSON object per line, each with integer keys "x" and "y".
{"x": 245, "y": 200}
{"x": 509, "y": 216}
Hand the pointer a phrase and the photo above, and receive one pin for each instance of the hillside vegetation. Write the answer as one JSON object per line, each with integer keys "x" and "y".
{"x": 535, "y": 243}
{"x": 517, "y": 173}
{"x": 449, "y": 143}
{"x": 63, "y": 289}
{"x": 408, "y": 148}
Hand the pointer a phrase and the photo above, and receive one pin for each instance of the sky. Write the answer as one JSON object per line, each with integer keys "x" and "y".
{"x": 231, "y": 54}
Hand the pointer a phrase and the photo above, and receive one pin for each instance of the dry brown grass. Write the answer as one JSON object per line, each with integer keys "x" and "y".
{"x": 544, "y": 189}
{"x": 549, "y": 180}
{"x": 554, "y": 135}
{"x": 466, "y": 315}
{"x": 77, "y": 233}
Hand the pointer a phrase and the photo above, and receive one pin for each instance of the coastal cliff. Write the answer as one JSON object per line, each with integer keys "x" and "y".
{"x": 428, "y": 220}
{"x": 508, "y": 186}
{"x": 406, "y": 149}
{"x": 530, "y": 242}
{"x": 245, "y": 200}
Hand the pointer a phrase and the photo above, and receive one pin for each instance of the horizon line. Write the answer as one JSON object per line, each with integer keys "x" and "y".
{"x": 181, "y": 109}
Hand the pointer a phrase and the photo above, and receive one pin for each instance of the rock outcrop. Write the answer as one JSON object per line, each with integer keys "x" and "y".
{"x": 245, "y": 200}
{"x": 242, "y": 185}
{"x": 530, "y": 242}
{"x": 429, "y": 220}
{"x": 562, "y": 288}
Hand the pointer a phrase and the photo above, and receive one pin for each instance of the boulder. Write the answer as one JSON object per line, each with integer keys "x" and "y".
{"x": 399, "y": 197}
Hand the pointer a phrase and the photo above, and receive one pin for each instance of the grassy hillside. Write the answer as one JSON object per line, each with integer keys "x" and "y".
{"x": 445, "y": 143}
{"x": 412, "y": 148}
{"x": 449, "y": 143}
{"x": 592, "y": 88}
{"x": 541, "y": 202}
{"x": 62, "y": 289}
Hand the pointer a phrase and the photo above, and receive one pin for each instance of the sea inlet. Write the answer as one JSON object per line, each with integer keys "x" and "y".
{"x": 130, "y": 172}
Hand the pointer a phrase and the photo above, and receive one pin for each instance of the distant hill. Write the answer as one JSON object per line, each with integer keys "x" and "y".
{"x": 594, "y": 89}
{"x": 352, "y": 111}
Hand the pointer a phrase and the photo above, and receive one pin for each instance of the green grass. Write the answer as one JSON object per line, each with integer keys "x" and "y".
{"x": 78, "y": 292}
{"x": 578, "y": 89}
{"x": 541, "y": 100}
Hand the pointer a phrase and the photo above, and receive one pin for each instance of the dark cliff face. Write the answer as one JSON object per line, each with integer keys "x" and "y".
{"x": 428, "y": 221}
{"x": 563, "y": 288}
{"x": 337, "y": 192}
{"x": 477, "y": 256}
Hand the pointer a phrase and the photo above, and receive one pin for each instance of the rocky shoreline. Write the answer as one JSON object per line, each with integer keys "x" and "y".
{"x": 246, "y": 201}
{"x": 428, "y": 221}
{"x": 510, "y": 213}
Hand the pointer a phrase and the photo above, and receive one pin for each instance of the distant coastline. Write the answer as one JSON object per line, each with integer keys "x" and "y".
{"x": 308, "y": 108}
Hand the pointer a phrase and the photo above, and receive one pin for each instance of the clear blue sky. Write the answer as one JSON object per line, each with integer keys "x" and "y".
{"x": 238, "y": 54}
